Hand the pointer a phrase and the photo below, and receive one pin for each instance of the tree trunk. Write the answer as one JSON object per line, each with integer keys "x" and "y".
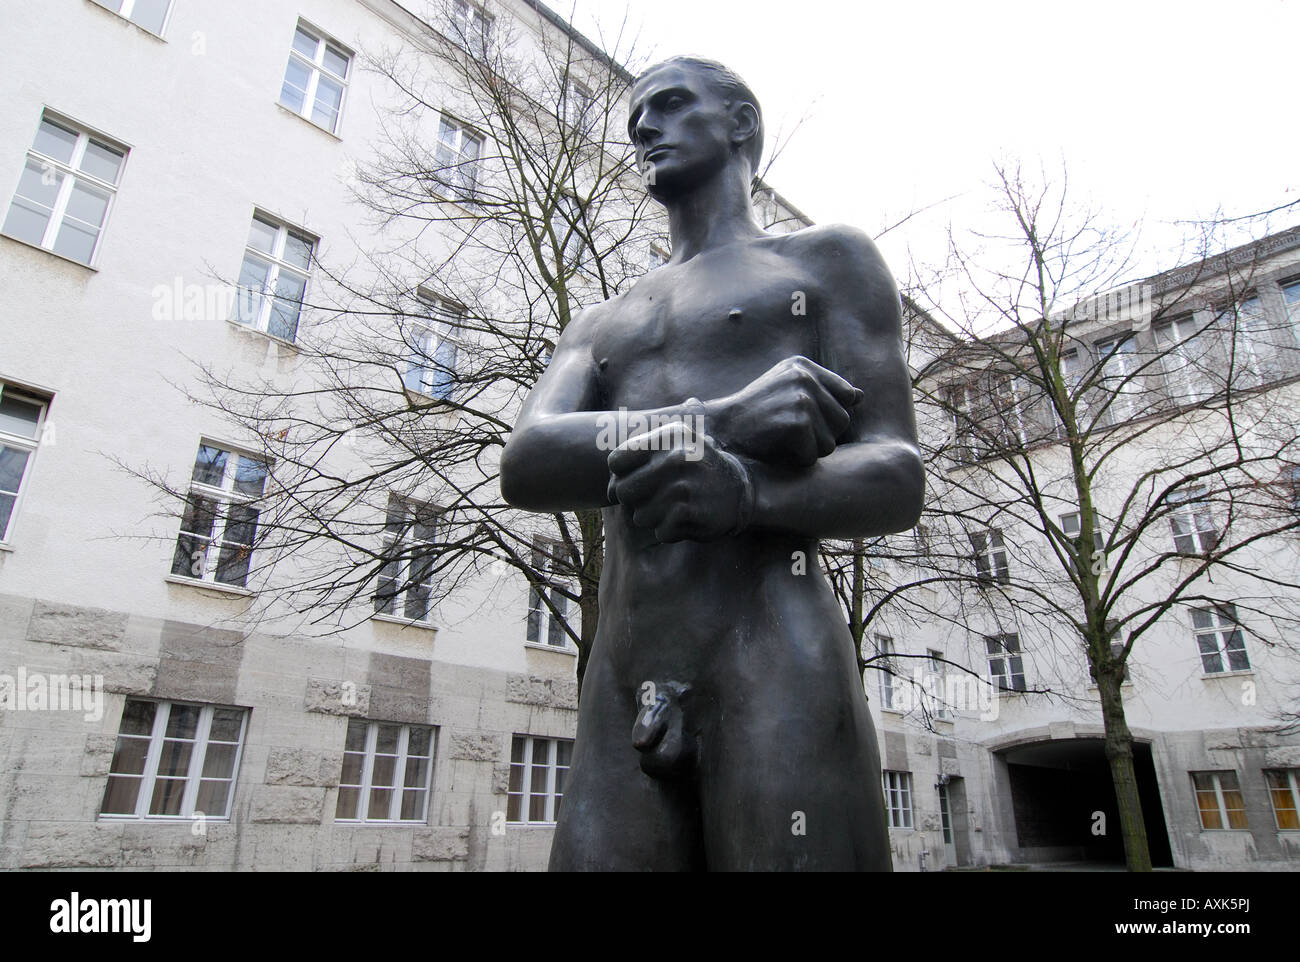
{"x": 1119, "y": 752}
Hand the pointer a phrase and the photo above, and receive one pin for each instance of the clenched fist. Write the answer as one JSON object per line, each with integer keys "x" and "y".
{"x": 791, "y": 415}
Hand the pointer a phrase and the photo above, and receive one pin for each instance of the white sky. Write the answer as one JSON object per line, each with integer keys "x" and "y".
{"x": 1161, "y": 111}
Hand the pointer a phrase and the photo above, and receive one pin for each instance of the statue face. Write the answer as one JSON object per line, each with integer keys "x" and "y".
{"x": 681, "y": 127}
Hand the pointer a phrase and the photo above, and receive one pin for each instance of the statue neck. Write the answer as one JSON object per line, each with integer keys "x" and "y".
{"x": 715, "y": 213}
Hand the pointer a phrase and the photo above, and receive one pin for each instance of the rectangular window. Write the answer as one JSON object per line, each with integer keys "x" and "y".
{"x": 577, "y": 104}
{"x": 885, "y": 664}
{"x": 546, "y": 561}
{"x": 1070, "y": 526}
{"x": 405, "y": 588}
{"x": 898, "y": 798}
{"x": 1291, "y": 298}
{"x": 1284, "y": 791}
{"x": 1185, "y": 349}
{"x": 66, "y": 189}
{"x": 538, "y": 770}
{"x": 470, "y": 26}
{"x": 316, "y": 77}
{"x": 431, "y": 369}
{"x": 945, "y": 813}
{"x": 1010, "y": 397}
{"x": 990, "y": 556}
{"x": 1218, "y": 797}
{"x": 1192, "y": 522}
{"x": 273, "y": 277}
{"x": 22, "y": 423}
{"x": 150, "y": 14}
{"x": 221, "y": 512}
{"x": 938, "y": 670}
{"x": 566, "y": 228}
{"x": 1074, "y": 374}
{"x": 1245, "y": 327}
{"x": 969, "y": 438}
{"x": 457, "y": 156}
{"x": 386, "y": 772}
{"x": 1119, "y": 364}
{"x": 174, "y": 760}
{"x": 1220, "y": 640}
{"x": 1006, "y": 663}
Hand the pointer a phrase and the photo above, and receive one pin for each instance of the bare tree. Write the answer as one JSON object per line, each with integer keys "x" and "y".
{"x": 501, "y": 197}
{"x": 1102, "y": 454}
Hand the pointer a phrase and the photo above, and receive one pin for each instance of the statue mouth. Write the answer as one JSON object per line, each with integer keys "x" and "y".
{"x": 657, "y": 151}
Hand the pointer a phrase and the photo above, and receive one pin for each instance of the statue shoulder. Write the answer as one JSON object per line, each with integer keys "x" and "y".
{"x": 852, "y": 268}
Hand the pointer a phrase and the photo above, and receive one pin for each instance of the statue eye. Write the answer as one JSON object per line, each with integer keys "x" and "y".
{"x": 673, "y": 102}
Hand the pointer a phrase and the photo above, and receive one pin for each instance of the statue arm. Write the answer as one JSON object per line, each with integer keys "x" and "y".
{"x": 873, "y": 482}
{"x": 555, "y": 459}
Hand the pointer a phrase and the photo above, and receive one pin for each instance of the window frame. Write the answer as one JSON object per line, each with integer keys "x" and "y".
{"x": 1290, "y": 779}
{"x": 29, "y": 446}
{"x": 520, "y": 802}
{"x": 224, "y": 498}
{"x": 429, "y": 337}
{"x": 415, "y": 515}
{"x": 470, "y": 21}
{"x": 401, "y": 761}
{"x": 276, "y": 264}
{"x": 902, "y": 815}
{"x": 1187, "y": 380}
{"x": 1120, "y": 398}
{"x": 1223, "y": 627}
{"x": 461, "y": 186}
{"x": 934, "y": 659}
{"x": 544, "y": 558}
{"x": 886, "y": 650}
{"x": 127, "y": 7}
{"x": 987, "y": 570}
{"x": 1006, "y": 658}
{"x": 147, "y": 780}
{"x": 1246, "y": 339}
{"x": 1221, "y": 811}
{"x": 71, "y": 174}
{"x": 315, "y": 67}
{"x": 1189, "y": 507}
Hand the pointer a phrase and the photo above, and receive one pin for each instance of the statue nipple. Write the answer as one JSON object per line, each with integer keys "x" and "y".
{"x": 735, "y": 314}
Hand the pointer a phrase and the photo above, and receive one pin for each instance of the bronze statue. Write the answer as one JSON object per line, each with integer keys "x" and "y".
{"x": 761, "y": 401}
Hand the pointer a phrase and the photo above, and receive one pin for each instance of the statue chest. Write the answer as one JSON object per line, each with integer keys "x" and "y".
{"x": 687, "y": 331}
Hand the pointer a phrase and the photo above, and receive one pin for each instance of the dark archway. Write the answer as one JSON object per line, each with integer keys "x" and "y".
{"x": 1064, "y": 803}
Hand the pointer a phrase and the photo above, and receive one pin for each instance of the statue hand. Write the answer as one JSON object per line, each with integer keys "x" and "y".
{"x": 681, "y": 484}
{"x": 790, "y": 415}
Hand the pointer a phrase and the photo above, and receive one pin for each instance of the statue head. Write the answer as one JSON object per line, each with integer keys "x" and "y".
{"x": 690, "y": 117}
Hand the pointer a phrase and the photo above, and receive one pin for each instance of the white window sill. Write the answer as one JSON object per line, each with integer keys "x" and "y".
{"x": 249, "y": 329}
{"x": 46, "y": 250}
{"x": 1239, "y": 673}
{"x": 405, "y": 623}
{"x": 185, "y": 820}
{"x": 422, "y": 400}
{"x": 381, "y": 823}
{"x": 568, "y": 649}
{"x": 530, "y": 824}
{"x": 6, "y": 547}
{"x": 213, "y": 586}
{"x": 308, "y": 120}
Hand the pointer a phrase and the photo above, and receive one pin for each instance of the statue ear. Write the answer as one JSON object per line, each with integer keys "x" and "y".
{"x": 745, "y": 118}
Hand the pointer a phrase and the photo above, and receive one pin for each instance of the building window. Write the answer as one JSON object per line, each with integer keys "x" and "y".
{"x": 1070, "y": 527}
{"x": 470, "y": 26}
{"x": 1010, "y": 395}
{"x": 273, "y": 277}
{"x": 220, "y": 512}
{"x": 386, "y": 772}
{"x": 1284, "y": 791}
{"x": 566, "y": 227}
{"x": 898, "y": 798}
{"x": 945, "y": 813}
{"x": 174, "y": 760}
{"x": 538, "y": 770}
{"x": 1192, "y": 522}
{"x": 431, "y": 369}
{"x": 405, "y": 588}
{"x": 1246, "y": 328}
{"x": 1117, "y": 376}
{"x": 150, "y": 14}
{"x": 990, "y": 556}
{"x": 315, "y": 78}
{"x": 1291, "y": 298}
{"x": 457, "y": 156}
{"x": 1006, "y": 663}
{"x": 22, "y": 422}
{"x": 969, "y": 442}
{"x": 888, "y": 682}
{"x": 578, "y": 102}
{"x": 1185, "y": 354}
{"x": 1220, "y": 639}
{"x": 938, "y": 671}
{"x": 546, "y": 561}
{"x": 1218, "y": 797}
{"x": 65, "y": 191}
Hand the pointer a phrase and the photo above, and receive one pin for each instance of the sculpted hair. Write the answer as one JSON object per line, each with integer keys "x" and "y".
{"x": 729, "y": 84}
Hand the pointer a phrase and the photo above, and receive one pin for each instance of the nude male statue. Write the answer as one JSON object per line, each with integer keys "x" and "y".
{"x": 755, "y": 749}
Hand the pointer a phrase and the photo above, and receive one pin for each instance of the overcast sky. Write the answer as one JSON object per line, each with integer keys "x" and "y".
{"x": 1162, "y": 110}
